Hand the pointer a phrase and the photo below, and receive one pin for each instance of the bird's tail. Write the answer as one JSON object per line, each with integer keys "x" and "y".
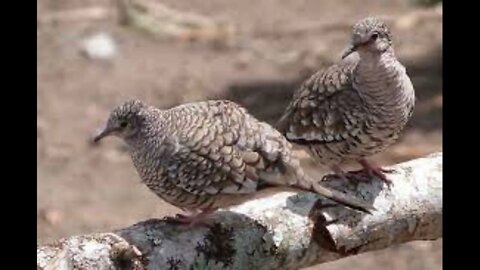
{"x": 311, "y": 185}
{"x": 342, "y": 198}
{"x": 294, "y": 177}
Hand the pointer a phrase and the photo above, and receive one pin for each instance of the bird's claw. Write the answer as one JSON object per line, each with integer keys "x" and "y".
{"x": 365, "y": 175}
{"x": 188, "y": 220}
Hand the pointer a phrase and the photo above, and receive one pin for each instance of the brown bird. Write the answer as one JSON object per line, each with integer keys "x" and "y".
{"x": 356, "y": 108}
{"x": 208, "y": 155}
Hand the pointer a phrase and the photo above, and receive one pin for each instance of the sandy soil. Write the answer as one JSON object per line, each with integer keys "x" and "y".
{"x": 82, "y": 189}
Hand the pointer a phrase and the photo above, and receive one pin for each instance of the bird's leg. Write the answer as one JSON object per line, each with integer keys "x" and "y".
{"x": 347, "y": 176}
{"x": 339, "y": 172}
{"x": 193, "y": 219}
{"x": 375, "y": 171}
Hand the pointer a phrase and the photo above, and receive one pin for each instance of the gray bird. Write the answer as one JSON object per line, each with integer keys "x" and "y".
{"x": 208, "y": 155}
{"x": 356, "y": 108}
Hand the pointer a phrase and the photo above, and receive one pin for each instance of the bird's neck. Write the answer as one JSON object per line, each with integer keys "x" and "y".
{"x": 146, "y": 147}
{"x": 385, "y": 87}
{"x": 151, "y": 132}
{"x": 380, "y": 78}
{"x": 373, "y": 67}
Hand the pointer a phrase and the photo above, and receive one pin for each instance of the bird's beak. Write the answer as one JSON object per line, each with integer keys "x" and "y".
{"x": 349, "y": 50}
{"x": 355, "y": 44}
{"x": 100, "y": 133}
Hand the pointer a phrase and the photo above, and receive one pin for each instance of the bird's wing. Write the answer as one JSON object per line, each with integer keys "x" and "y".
{"x": 223, "y": 154}
{"x": 326, "y": 108}
{"x": 232, "y": 153}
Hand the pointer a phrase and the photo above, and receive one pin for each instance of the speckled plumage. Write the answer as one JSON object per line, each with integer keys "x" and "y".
{"x": 356, "y": 108}
{"x": 210, "y": 154}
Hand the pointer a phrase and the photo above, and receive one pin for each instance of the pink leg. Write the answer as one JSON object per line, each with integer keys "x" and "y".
{"x": 339, "y": 172}
{"x": 375, "y": 171}
{"x": 347, "y": 176}
{"x": 192, "y": 220}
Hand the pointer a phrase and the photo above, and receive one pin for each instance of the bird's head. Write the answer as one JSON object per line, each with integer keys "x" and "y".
{"x": 124, "y": 121}
{"x": 369, "y": 35}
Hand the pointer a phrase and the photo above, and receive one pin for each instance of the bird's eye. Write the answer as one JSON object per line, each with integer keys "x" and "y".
{"x": 374, "y": 36}
{"x": 123, "y": 124}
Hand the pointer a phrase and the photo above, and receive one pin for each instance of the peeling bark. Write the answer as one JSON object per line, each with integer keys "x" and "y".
{"x": 283, "y": 231}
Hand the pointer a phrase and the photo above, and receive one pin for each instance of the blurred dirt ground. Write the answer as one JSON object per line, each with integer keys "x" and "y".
{"x": 82, "y": 189}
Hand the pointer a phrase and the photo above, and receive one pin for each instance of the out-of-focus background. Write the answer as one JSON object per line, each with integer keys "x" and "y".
{"x": 92, "y": 55}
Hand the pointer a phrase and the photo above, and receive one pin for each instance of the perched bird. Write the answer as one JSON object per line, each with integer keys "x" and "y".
{"x": 356, "y": 108}
{"x": 208, "y": 155}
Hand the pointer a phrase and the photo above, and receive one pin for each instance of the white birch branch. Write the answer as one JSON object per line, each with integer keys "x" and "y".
{"x": 284, "y": 231}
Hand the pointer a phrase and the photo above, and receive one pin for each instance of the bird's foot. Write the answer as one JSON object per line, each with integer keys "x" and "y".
{"x": 346, "y": 176}
{"x": 357, "y": 176}
{"x": 364, "y": 175}
{"x": 374, "y": 171}
{"x": 191, "y": 220}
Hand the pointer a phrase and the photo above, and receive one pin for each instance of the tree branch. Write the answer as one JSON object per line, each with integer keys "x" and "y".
{"x": 283, "y": 231}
